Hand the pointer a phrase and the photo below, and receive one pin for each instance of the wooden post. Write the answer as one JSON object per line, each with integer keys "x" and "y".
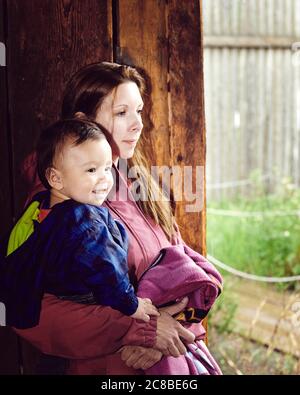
{"x": 142, "y": 42}
{"x": 9, "y": 358}
{"x": 187, "y": 111}
{"x": 165, "y": 39}
{"x": 47, "y": 42}
{"x": 6, "y": 212}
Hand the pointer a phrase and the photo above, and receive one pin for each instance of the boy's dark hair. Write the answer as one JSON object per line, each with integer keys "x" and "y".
{"x": 53, "y": 138}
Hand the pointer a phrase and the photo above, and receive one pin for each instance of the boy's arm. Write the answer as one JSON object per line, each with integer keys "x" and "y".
{"x": 100, "y": 260}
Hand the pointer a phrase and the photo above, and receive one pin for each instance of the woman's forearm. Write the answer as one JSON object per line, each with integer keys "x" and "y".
{"x": 78, "y": 331}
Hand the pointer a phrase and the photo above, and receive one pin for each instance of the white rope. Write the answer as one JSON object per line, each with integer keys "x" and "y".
{"x": 237, "y": 213}
{"x": 233, "y": 184}
{"x": 249, "y": 276}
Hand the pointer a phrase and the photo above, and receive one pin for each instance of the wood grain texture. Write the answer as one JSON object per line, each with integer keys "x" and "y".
{"x": 9, "y": 363}
{"x": 48, "y": 41}
{"x": 6, "y": 192}
{"x": 164, "y": 39}
{"x": 142, "y": 42}
{"x": 187, "y": 110}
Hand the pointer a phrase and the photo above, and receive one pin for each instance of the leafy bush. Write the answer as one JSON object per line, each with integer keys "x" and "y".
{"x": 266, "y": 244}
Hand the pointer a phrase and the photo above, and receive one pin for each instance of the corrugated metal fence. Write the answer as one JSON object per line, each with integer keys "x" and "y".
{"x": 252, "y": 93}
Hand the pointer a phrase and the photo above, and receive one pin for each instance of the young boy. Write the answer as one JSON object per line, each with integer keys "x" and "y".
{"x": 78, "y": 251}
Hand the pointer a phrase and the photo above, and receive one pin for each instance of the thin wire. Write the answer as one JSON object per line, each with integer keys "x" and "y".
{"x": 238, "y": 183}
{"x": 249, "y": 276}
{"x": 237, "y": 213}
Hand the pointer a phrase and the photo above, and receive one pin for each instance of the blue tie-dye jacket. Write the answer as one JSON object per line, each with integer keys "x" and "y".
{"x": 75, "y": 250}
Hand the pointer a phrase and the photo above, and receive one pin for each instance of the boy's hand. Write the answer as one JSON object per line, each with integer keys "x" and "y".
{"x": 145, "y": 309}
{"x": 140, "y": 357}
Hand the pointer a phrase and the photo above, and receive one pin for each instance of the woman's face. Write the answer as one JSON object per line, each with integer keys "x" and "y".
{"x": 121, "y": 114}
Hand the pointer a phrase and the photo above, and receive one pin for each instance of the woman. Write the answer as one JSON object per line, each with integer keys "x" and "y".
{"x": 99, "y": 340}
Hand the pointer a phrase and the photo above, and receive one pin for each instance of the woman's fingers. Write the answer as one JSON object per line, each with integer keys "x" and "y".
{"x": 140, "y": 357}
{"x": 181, "y": 347}
{"x": 177, "y": 307}
{"x": 131, "y": 354}
{"x": 149, "y": 358}
{"x": 169, "y": 334}
{"x": 185, "y": 334}
{"x": 173, "y": 350}
{"x": 141, "y": 362}
{"x": 132, "y": 360}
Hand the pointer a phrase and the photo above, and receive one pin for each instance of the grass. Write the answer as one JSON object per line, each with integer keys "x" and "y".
{"x": 237, "y": 355}
{"x": 267, "y": 245}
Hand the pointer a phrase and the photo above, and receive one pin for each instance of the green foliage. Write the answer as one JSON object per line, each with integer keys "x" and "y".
{"x": 267, "y": 244}
{"x": 223, "y": 313}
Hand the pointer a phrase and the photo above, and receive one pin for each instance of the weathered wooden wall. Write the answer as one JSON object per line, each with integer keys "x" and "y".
{"x": 6, "y": 204}
{"x": 49, "y": 40}
{"x": 154, "y": 35}
{"x": 46, "y": 42}
{"x": 9, "y": 356}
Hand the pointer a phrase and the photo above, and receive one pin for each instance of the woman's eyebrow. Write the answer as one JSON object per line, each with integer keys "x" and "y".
{"x": 121, "y": 105}
{"x": 126, "y": 105}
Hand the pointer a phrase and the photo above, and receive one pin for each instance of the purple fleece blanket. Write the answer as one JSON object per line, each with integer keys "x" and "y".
{"x": 180, "y": 271}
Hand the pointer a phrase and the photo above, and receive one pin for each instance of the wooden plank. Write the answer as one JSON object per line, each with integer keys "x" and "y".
{"x": 249, "y": 41}
{"x": 267, "y": 318}
{"x": 142, "y": 43}
{"x": 9, "y": 363}
{"x": 187, "y": 109}
{"x": 5, "y": 149}
{"x": 265, "y": 315}
{"x": 47, "y": 42}
{"x": 143, "y": 29}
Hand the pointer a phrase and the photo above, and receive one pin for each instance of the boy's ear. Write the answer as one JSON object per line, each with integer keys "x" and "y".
{"x": 80, "y": 115}
{"x": 54, "y": 178}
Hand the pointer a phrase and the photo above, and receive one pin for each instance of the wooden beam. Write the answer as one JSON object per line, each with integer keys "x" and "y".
{"x": 154, "y": 35}
{"x": 6, "y": 192}
{"x": 187, "y": 112}
{"x": 249, "y": 42}
{"x": 9, "y": 357}
{"x": 47, "y": 42}
{"x": 142, "y": 42}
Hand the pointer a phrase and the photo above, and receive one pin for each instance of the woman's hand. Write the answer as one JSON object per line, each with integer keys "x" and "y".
{"x": 170, "y": 332}
{"x": 140, "y": 357}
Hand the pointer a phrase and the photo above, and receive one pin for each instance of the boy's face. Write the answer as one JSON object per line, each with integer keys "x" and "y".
{"x": 83, "y": 172}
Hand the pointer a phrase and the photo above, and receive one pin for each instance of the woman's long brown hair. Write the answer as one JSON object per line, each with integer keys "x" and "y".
{"x": 85, "y": 93}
